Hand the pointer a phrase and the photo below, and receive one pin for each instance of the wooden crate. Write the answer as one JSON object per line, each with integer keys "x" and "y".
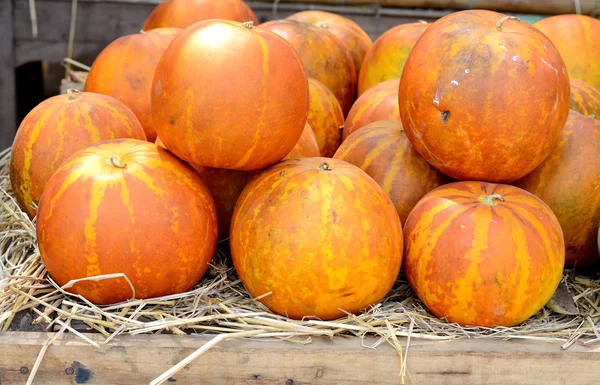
{"x": 129, "y": 360}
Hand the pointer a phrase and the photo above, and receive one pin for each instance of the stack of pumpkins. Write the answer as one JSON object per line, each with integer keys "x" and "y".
{"x": 328, "y": 161}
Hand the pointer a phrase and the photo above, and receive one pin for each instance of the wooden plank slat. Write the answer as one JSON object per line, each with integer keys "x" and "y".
{"x": 140, "y": 359}
{"x": 8, "y": 112}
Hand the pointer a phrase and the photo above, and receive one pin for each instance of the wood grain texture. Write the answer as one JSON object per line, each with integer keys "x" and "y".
{"x": 8, "y": 112}
{"x": 140, "y": 359}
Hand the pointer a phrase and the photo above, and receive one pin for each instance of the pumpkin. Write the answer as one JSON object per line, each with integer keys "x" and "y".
{"x": 126, "y": 206}
{"x": 307, "y": 145}
{"x": 227, "y": 113}
{"x": 319, "y": 235}
{"x": 55, "y": 129}
{"x": 183, "y": 13}
{"x": 124, "y": 70}
{"x": 225, "y": 187}
{"x": 567, "y": 181}
{"x": 379, "y": 102}
{"x": 575, "y": 37}
{"x": 386, "y": 57}
{"x": 382, "y": 150}
{"x": 348, "y": 31}
{"x": 325, "y": 117}
{"x": 483, "y": 254}
{"x": 325, "y": 57}
{"x": 585, "y": 98}
{"x": 483, "y": 97}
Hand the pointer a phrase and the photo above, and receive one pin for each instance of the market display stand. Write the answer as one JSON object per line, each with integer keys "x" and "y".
{"x": 140, "y": 359}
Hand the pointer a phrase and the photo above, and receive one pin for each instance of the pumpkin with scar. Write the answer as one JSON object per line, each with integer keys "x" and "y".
{"x": 484, "y": 96}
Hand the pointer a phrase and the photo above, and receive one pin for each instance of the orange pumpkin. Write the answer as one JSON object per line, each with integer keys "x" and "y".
{"x": 386, "y": 58}
{"x": 382, "y": 150}
{"x": 483, "y": 97}
{"x": 307, "y": 145}
{"x": 324, "y": 56}
{"x": 325, "y": 117}
{"x": 124, "y": 70}
{"x": 55, "y": 129}
{"x": 585, "y": 98}
{"x": 348, "y": 31}
{"x": 228, "y": 112}
{"x": 379, "y": 102}
{"x": 183, "y": 13}
{"x": 320, "y": 235}
{"x": 483, "y": 254}
{"x": 126, "y": 206}
{"x": 567, "y": 180}
{"x": 576, "y": 38}
{"x": 225, "y": 186}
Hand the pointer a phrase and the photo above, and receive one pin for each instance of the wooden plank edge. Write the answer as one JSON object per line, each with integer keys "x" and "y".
{"x": 140, "y": 359}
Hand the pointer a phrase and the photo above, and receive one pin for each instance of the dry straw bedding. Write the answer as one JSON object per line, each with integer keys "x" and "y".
{"x": 220, "y": 306}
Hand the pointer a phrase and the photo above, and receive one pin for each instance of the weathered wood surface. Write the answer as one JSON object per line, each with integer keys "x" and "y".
{"x": 528, "y": 6}
{"x": 140, "y": 359}
{"x": 8, "y": 112}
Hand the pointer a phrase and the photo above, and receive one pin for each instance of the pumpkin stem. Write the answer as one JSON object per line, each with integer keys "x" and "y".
{"x": 115, "y": 161}
{"x": 490, "y": 200}
{"x": 72, "y": 93}
{"x": 248, "y": 24}
{"x": 501, "y": 21}
{"x": 324, "y": 166}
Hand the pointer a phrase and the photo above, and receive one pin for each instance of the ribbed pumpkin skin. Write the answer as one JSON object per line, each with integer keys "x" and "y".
{"x": 382, "y": 150}
{"x": 345, "y": 29}
{"x": 228, "y": 112}
{"x": 380, "y": 102}
{"x": 480, "y": 103}
{"x": 152, "y": 220}
{"x": 307, "y": 145}
{"x": 585, "y": 98}
{"x": 325, "y": 117}
{"x": 225, "y": 187}
{"x": 58, "y": 127}
{"x": 183, "y": 13}
{"x": 386, "y": 58}
{"x": 576, "y": 38}
{"x": 125, "y": 68}
{"x": 483, "y": 264}
{"x": 325, "y": 57}
{"x": 568, "y": 180}
{"x": 318, "y": 239}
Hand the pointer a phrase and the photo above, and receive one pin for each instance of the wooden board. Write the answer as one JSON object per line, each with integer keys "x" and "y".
{"x": 140, "y": 359}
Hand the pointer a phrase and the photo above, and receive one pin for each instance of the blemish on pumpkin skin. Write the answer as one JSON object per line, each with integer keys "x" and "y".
{"x": 445, "y": 116}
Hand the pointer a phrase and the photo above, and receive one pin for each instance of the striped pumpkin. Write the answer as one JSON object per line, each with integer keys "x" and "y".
{"x": 183, "y": 13}
{"x": 325, "y": 117}
{"x": 240, "y": 104}
{"x": 324, "y": 56}
{"x": 225, "y": 187}
{"x": 320, "y": 235}
{"x": 576, "y": 38}
{"x": 585, "y": 98}
{"x": 55, "y": 129}
{"x": 383, "y": 151}
{"x": 386, "y": 58}
{"x": 568, "y": 180}
{"x": 307, "y": 145}
{"x": 483, "y": 254}
{"x": 347, "y": 30}
{"x": 126, "y": 206}
{"x": 380, "y": 102}
{"x": 124, "y": 70}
